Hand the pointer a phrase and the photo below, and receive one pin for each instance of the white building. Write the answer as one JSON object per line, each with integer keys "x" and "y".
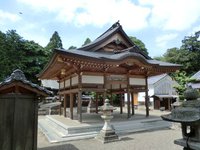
{"x": 161, "y": 91}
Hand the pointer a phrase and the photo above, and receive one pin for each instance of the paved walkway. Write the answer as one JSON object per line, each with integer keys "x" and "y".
{"x": 155, "y": 140}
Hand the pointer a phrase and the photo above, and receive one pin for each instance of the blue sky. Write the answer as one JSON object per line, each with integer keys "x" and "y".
{"x": 160, "y": 24}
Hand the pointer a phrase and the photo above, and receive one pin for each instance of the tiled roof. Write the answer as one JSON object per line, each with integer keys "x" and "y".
{"x": 196, "y": 76}
{"x": 112, "y": 56}
{"x": 154, "y": 79}
{"x": 103, "y": 37}
{"x": 18, "y": 75}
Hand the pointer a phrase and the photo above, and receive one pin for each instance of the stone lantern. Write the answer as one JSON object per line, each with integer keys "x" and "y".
{"x": 188, "y": 114}
{"x": 107, "y": 133}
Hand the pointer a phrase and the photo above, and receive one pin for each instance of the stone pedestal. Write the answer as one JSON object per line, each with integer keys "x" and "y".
{"x": 107, "y": 133}
{"x": 188, "y": 145}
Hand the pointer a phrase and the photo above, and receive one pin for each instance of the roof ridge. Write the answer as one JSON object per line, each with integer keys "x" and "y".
{"x": 116, "y": 24}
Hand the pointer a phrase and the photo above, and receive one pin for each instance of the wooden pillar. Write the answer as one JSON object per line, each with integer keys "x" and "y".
{"x": 121, "y": 104}
{"x": 80, "y": 97}
{"x": 132, "y": 104}
{"x": 111, "y": 95}
{"x": 128, "y": 97}
{"x": 65, "y": 105}
{"x": 169, "y": 104}
{"x": 121, "y": 100}
{"x": 59, "y": 98}
{"x": 146, "y": 97}
{"x": 80, "y": 105}
{"x": 71, "y": 105}
{"x": 60, "y": 104}
{"x": 96, "y": 98}
{"x": 104, "y": 86}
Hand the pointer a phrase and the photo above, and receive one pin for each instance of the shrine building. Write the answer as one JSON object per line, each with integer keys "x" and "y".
{"x": 112, "y": 63}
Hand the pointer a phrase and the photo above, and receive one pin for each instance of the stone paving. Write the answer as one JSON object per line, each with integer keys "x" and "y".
{"x": 162, "y": 139}
{"x": 155, "y": 140}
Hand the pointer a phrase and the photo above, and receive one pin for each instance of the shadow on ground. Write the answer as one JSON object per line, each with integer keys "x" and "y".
{"x": 60, "y": 147}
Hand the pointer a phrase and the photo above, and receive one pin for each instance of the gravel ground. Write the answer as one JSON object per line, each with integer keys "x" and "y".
{"x": 155, "y": 140}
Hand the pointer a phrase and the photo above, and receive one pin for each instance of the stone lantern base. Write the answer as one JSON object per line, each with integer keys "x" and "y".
{"x": 188, "y": 145}
{"x": 107, "y": 136}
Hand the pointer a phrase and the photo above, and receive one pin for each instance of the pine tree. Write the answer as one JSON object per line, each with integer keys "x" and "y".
{"x": 55, "y": 42}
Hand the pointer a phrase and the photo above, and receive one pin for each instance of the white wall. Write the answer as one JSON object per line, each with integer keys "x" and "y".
{"x": 92, "y": 79}
{"x": 50, "y": 84}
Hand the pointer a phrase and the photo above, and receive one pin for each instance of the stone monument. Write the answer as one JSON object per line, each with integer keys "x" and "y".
{"x": 188, "y": 114}
{"x": 107, "y": 133}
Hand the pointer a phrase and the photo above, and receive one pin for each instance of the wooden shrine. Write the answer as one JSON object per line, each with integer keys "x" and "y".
{"x": 112, "y": 63}
{"x": 19, "y": 112}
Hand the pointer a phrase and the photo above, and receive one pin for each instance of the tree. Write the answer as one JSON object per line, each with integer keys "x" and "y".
{"x": 72, "y": 47}
{"x": 12, "y": 53}
{"x": 87, "y": 41}
{"x": 187, "y": 55}
{"x": 139, "y": 44}
{"x": 17, "y": 53}
{"x": 3, "y": 61}
{"x": 182, "y": 79}
{"x": 35, "y": 60}
{"x": 55, "y": 42}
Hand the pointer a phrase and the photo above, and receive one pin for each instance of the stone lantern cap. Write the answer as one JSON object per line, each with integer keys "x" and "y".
{"x": 107, "y": 106}
{"x": 188, "y": 112}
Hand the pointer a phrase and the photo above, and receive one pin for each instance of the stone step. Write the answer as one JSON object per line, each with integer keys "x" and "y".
{"x": 54, "y": 135}
{"x": 58, "y": 132}
{"x": 73, "y": 129}
{"x": 48, "y": 131}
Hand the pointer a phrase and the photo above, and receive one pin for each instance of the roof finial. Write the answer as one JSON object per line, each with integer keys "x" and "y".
{"x": 117, "y": 24}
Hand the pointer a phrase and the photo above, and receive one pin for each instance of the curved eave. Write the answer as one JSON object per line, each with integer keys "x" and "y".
{"x": 53, "y": 68}
{"x": 171, "y": 119}
{"x": 116, "y": 58}
{"x": 52, "y": 61}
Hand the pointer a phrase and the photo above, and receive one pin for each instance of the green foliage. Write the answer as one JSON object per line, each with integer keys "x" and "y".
{"x": 72, "y": 47}
{"x": 139, "y": 44}
{"x": 87, "y": 41}
{"x": 55, "y": 42}
{"x": 35, "y": 59}
{"x": 17, "y": 53}
{"x": 182, "y": 79}
{"x": 188, "y": 54}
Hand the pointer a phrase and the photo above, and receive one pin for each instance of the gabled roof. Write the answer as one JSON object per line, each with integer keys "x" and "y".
{"x": 154, "y": 79}
{"x": 104, "y": 54}
{"x": 116, "y": 27}
{"x": 18, "y": 76}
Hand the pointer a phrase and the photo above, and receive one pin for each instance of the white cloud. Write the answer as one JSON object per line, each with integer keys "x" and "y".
{"x": 8, "y": 17}
{"x": 173, "y": 14}
{"x": 163, "y": 40}
{"x": 95, "y": 12}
